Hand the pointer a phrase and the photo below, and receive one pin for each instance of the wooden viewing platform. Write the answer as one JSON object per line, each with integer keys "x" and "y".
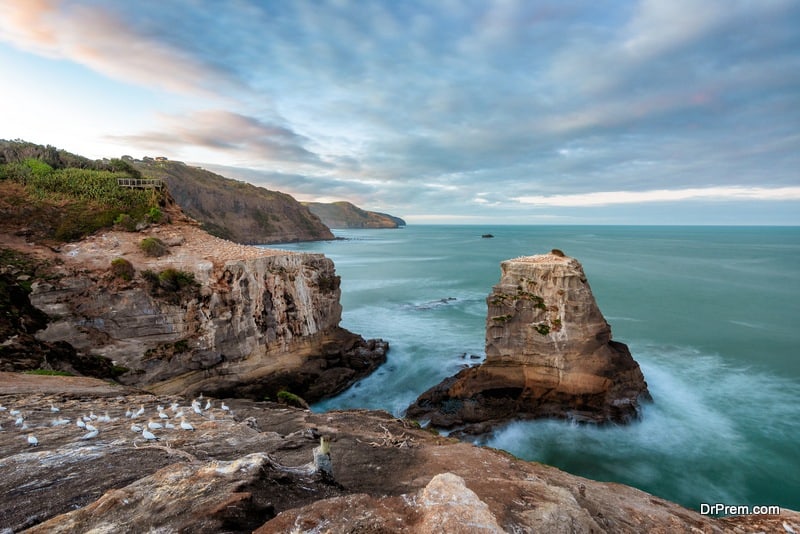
{"x": 140, "y": 183}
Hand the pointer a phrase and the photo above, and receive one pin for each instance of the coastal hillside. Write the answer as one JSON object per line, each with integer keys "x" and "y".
{"x": 347, "y": 215}
{"x": 235, "y": 210}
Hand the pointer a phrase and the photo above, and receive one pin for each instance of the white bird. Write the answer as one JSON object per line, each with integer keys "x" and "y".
{"x": 152, "y": 425}
{"x": 60, "y": 421}
{"x": 54, "y": 409}
{"x": 159, "y": 408}
{"x": 92, "y": 415}
{"x": 169, "y": 425}
{"x": 149, "y": 436}
{"x": 105, "y": 418}
{"x": 186, "y": 425}
{"x": 90, "y": 427}
{"x": 128, "y": 413}
{"x": 140, "y": 411}
{"x": 136, "y": 428}
{"x": 225, "y": 407}
{"x": 174, "y": 407}
{"x": 86, "y": 418}
{"x": 33, "y": 441}
{"x": 80, "y": 423}
{"x": 90, "y": 435}
{"x": 2, "y": 408}
{"x": 162, "y": 415}
{"x": 196, "y": 407}
{"x": 208, "y": 404}
{"x": 179, "y": 414}
{"x": 20, "y": 421}
{"x": 14, "y": 412}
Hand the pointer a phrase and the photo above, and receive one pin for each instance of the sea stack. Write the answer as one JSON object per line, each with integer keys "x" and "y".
{"x": 549, "y": 353}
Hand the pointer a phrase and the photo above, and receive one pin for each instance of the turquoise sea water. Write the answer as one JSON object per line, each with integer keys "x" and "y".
{"x": 712, "y": 315}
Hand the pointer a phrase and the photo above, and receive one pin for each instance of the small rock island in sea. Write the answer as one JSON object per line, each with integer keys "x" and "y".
{"x": 549, "y": 353}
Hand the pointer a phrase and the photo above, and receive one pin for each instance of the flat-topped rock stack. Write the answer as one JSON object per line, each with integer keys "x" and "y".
{"x": 549, "y": 353}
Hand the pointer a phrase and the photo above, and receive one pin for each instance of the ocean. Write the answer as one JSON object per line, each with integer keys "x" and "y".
{"x": 712, "y": 315}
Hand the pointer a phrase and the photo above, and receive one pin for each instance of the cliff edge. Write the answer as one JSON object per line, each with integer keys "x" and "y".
{"x": 549, "y": 353}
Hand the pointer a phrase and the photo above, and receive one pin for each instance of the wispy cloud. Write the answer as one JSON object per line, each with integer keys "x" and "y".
{"x": 715, "y": 194}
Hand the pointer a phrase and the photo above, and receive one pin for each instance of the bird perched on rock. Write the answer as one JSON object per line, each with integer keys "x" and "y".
{"x": 152, "y": 425}
{"x": 54, "y": 408}
{"x": 149, "y": 436}
{"x": 80, "y": 423}
{"x": 91, "y": 434}
{"x": 186, "y": 425}
{"x": 136, "y": 428}
{"x": 32, "y": 441}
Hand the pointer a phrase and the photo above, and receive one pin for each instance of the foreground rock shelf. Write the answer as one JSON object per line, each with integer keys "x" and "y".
{"x": 549, "y": 353}
{"x": 249, "y": 468}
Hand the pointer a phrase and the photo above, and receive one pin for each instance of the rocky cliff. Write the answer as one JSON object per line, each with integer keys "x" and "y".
{"x": 549, "y": 353}
{"x": 236, "y": 210}
{"x": 206, "y": 315}
{"x": 254, "y": 466}
{"x": 347, "y": 215}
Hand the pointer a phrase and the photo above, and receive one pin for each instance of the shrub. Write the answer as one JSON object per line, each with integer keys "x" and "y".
{"x": 153, "y": 246}
{"x": 154, "y": 215}
{"x": 126, "y": 221}
{"x": 175, "y": 280}
{"x": 558, "y": 252}
{"x": 122, "y": 268}
{"x": 291, "y": 399}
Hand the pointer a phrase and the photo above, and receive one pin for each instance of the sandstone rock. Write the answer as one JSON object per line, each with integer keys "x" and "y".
{"x": 256, "y": 321}
{"x": 549, "y": 353}
{"x": 229, "y": 476}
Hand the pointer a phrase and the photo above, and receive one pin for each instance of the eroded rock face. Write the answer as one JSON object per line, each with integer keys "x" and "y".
{"x": 250, "y": 468}
{"x": 255, "y": 322}
{"x": 549, "y": 353}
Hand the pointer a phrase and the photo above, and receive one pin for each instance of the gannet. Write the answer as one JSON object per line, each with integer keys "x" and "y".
{"x": 90, "y": 435}
{"x": 92, "y": 415}
{"x": 19, "y": 421}
{"x": 196, "y": 407}
{"x": 149, "y": 436}
{"x": 186, "y": 425}
{"x": 136, "y": 428}
{"x": 105, "y": 418}
{"x": 54, "y": 409}
{"x": 208, "y": 404}
{"x": 179, "y": 414}
{"x": 33, "y": 441}
{"x": 80, "y": 423}
{"x": 225, "y": 407}
{"x": 152, "y": 425}
{"x": 60, "y": 421}
{"x": 14, "y": 412}
{"x": 90, "y": 427}
{"x": 174, "y": 407}
{"x": 168, "y": 425}
{"x": 128, "y": 413}
{"x": 2, "y": 408}
{"x": 162, "y": 415}
{"x": 140, "y": 411}
{"x": 159, "y": 408}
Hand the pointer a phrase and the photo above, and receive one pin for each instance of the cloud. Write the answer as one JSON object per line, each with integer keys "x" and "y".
{"x": 105, "y": 41}
{"x": 716, "y": 194}
{"x": 247, "y": 138}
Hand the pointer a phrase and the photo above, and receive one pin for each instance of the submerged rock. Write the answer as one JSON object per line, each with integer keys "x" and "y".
{"x": 549, "y": 353}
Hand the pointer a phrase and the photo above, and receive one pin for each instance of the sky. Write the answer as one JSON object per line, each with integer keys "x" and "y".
{"x": 463, "y": 112}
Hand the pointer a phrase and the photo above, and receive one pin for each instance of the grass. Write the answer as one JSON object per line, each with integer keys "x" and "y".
{"x": 47, "y": 372}
{"x": 154, "y": 247}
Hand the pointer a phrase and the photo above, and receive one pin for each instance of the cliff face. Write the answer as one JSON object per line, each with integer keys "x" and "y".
{"x": 253, "y": 322}
{"x": 347, "y": 215}
{"x": 254, "y": 466}
{"x": 549, "y": 353}
{"x": 236, "y": 210}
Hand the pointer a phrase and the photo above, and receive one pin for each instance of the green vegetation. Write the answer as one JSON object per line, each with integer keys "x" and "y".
{"x": 122, "y": 268}
{"x": 291, "y": 399}
{"x": 153, "y": 246}
{"x": 66, "y": 196}
{"x": 47, "y": 372}
{"x": 171, "y": 284}
{"x": 543, "y": 329}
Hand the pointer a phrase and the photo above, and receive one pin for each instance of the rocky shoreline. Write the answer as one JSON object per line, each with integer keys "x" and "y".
{"x": 250, "y": 466}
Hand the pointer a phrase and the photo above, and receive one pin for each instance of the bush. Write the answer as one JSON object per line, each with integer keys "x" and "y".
{"x": 126, "y": 221}
{"x": 175, "y": 280}
{"x": 122, "y": 268}
{"x": 154, "y": 215}
{"x": 558, "y": 252}
{"x": 291, "y": 399}
{"x": 153, "y": 246}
